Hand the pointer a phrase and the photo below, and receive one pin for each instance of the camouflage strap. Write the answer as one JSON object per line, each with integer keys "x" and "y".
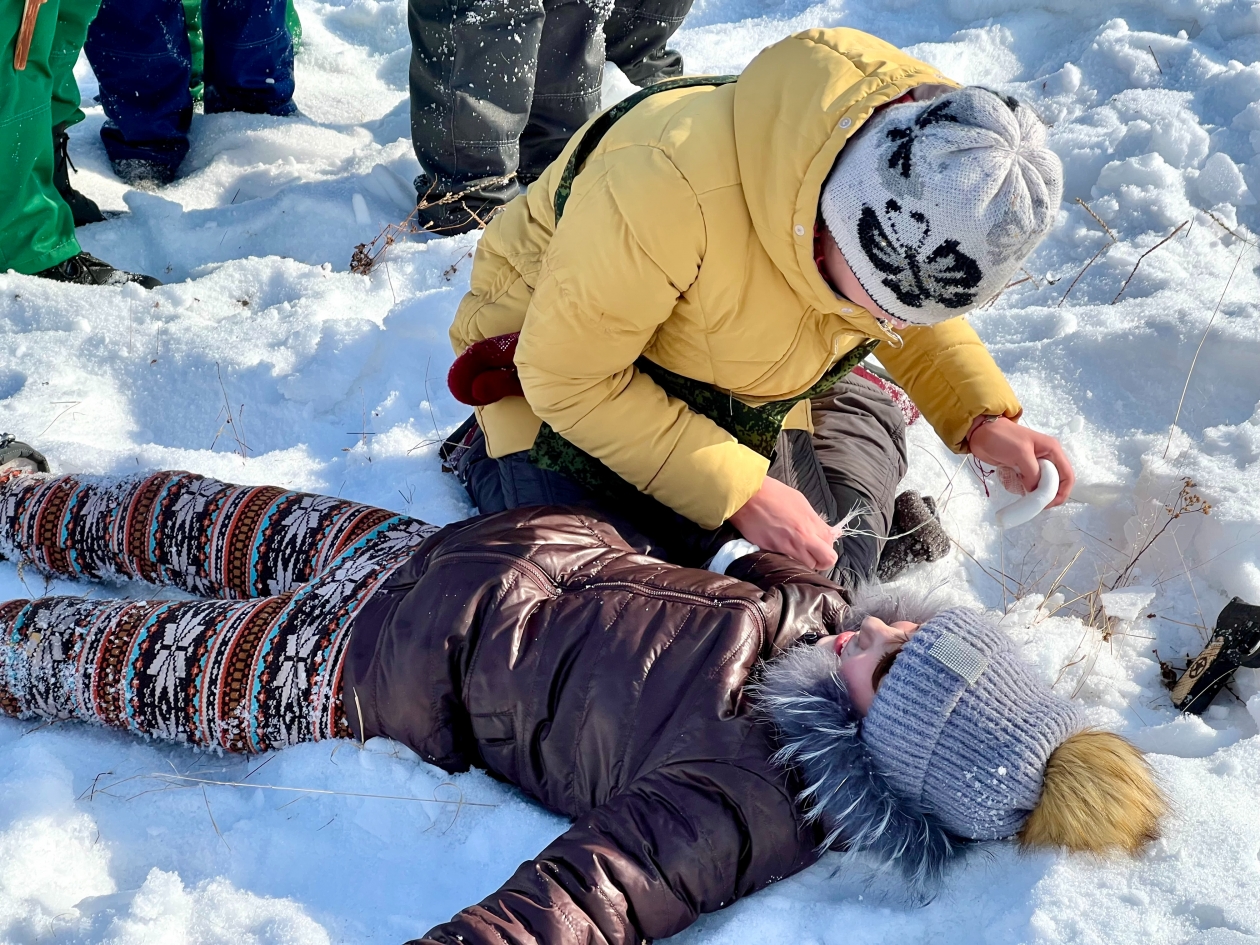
{"x": 554, "y": 452}
{"x": 599, "y": 127}
{"x": 755, "y": 427}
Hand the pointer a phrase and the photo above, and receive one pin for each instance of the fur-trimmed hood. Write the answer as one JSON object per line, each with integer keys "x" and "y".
{"x": 819, "y": 734}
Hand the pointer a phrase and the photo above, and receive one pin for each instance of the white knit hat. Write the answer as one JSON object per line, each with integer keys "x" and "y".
{"x": 935, "y": 204}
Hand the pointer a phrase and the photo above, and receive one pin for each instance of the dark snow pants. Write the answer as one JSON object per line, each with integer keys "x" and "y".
{"x": 499, "y": 86}
{"x": 850, "y": 465}
{"x": 139, "y": 50}
{"x": 635, "y": 36}
{"x": 255, "y": 664}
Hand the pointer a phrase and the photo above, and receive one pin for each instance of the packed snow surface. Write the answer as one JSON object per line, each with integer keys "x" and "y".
{"x": 335, "y": 382}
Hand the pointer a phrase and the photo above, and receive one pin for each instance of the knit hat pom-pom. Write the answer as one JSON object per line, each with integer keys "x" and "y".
{"x": 1098, "y": 796}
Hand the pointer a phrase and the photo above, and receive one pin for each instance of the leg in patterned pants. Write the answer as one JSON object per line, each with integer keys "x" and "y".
{"x": 255, "y": 668}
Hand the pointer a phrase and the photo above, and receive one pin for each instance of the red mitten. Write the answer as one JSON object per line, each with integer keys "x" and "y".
{"x": 485, "y": 372}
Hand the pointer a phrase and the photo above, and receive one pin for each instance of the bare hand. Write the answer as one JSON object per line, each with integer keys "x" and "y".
{"x": 1005, "y": 444}
{"x": 778, "y": 518}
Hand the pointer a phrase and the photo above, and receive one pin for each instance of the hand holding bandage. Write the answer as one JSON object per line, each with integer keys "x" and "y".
{"x": 1016, "y": 451}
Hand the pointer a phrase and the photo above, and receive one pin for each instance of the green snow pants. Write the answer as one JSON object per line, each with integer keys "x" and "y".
{"x": 36, "y": 227}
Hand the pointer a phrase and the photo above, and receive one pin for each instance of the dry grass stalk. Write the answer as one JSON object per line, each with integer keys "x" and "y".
{"x": 1088, "y": 605}
{"x": 1185, "y": 570}
{"x": 1187, "y": 502}
{"x": 363, "y": 432}
{"x": 1195, "y": 360}
{"x": 232, "y": 421}
{"x": 68, "y": 406}
{"x": 213, "y": 823}
{"x": 1092, "y": 259}
{"x": 1228, "y": 229}
{"x": 366, "y": 255}
{"x": 1099, "y": 220}
{"x": 1009, "y": 285}
{"x": 176, "y": 781}
{"x": 449, "y": 272}
{"x": 1168, "y": 673}
{"x": 1058, "y": 581}
{"x": 1180, "y": 226}
{"x": 1111, "y": 241}
{"x": 428, "y": 400}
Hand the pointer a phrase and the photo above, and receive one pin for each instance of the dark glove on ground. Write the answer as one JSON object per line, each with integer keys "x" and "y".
{"x": 1235, "y": 642}
{"x": 917, "y": 535}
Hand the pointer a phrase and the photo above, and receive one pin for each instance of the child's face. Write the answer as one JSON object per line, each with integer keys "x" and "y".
{"x": 865, "y": 656}
{"x": 841, "y": 276}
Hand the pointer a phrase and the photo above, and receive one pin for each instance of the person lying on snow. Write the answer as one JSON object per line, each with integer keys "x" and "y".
{"x": 662, "y": 311}
{"x": 708, "y": 734}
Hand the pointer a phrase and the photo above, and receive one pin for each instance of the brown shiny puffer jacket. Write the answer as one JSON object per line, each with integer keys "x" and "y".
{"x": 610, "y": 687}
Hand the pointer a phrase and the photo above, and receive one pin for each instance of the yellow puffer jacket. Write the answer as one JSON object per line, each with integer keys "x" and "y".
{"x": 688, "y": 238}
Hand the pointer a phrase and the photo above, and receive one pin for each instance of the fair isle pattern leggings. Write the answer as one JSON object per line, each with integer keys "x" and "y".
{"x": 257, "y": 668}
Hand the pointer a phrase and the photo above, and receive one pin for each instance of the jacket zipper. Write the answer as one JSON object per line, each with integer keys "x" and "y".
{"x": 515, "y": 562}
{"x": 665, "y": 593}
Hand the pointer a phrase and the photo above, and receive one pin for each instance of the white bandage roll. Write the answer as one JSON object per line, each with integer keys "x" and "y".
{"x": 1027, "y": 507}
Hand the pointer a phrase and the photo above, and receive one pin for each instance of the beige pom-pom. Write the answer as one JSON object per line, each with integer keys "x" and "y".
{"x": 1098, "y": 796}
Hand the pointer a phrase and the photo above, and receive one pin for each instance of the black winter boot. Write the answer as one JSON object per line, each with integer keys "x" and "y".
{"x": 86, "y": 269}
{"x": 657, "y": 66}
{"x": 16, "y": 456}
{"x": 918, "y": 535}
{"x": 1235, "y": 643}
{"x": 636, "y": 35}
{"x": 461, "y": 208}
{"x": 144, "y": 175}
{"x": 82, "y": 207}
{"x": 18, "y": 459}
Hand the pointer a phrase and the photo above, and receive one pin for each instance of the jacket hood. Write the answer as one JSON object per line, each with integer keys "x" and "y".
{"x": 796, "y": 104}
{"x": 819, "y": 734}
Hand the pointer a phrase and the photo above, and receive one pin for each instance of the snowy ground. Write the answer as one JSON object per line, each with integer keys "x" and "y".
{"x": 334, "y": 382}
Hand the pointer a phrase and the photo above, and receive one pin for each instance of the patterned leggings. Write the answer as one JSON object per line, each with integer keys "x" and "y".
{"x": 256, "y": 669}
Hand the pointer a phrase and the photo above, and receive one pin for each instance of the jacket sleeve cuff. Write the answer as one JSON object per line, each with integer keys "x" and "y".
{"x": 957, "y": 434}
{"x": 769, "y": 569}
{"x": 711, "y": 483}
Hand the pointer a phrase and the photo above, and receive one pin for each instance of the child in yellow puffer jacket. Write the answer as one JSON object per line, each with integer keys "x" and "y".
{"x": 674, "y": 325}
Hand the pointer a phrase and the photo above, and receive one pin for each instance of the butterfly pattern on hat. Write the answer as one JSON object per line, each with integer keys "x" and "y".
{"x": 944, "y": 274}
{"x": 899, "y": 159}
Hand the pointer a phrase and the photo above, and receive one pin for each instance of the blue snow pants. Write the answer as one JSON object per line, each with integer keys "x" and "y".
{"x": 139, "y": 51}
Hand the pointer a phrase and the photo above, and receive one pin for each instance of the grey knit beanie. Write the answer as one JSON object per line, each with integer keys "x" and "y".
{"x": 935, "y": 204}
{"x": 962, "y": 727}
